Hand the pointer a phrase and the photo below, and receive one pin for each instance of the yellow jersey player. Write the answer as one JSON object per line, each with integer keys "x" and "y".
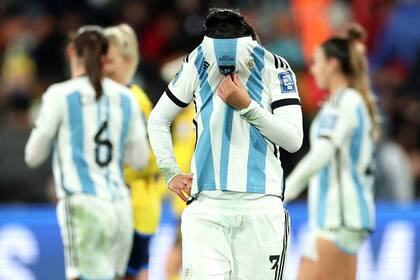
{"x": 146, "y": 188}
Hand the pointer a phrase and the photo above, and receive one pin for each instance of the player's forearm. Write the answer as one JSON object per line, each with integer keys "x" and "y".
{"x": 312, "y": 163}
{"x": 160, "y": 137}
{"x": 283, "y": 128}
{"x": 38, "y": 148}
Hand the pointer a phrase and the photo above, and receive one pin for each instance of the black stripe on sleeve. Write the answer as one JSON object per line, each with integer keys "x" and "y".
{"x": 276, "y": 61}
{"x": 286, "y": 65}
{"x": 284, "y": 102}
{"x": 175, "y": 99}
{"x": 281, "y": 62}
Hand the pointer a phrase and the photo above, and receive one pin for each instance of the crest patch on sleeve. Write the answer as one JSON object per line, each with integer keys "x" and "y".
{"x": 287, "y": 84}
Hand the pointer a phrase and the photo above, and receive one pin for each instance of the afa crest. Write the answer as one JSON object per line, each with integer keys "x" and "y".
{"x": 250, "y": 64}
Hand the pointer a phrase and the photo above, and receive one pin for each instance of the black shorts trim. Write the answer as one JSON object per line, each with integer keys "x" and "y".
{"x": 285, "y": 243}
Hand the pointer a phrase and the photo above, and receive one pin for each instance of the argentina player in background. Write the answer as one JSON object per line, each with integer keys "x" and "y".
{"x": 247, "y": 106}
{"x": 338, "y": 165}
{"x": 93, "y": 125}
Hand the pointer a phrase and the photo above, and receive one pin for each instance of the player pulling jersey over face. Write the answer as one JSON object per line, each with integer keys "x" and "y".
{"x": 94, "y": 126}
{"x": 247, "y": 105}
{"x": 228, "y": 144}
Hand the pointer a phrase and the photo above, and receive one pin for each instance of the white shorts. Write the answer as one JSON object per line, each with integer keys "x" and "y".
{"x": 234, "y": 239}
{"x": 97, "y": 236}
{"x": 348, "y": 241}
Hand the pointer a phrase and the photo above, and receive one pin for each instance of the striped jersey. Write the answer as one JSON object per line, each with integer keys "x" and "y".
{"x": 90, "y": 137}
{"x": 341, "y": 194}
{"x": 231, "y": 154}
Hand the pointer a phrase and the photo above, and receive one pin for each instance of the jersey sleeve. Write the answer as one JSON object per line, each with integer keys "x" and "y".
{"x": 338, "y": 120}
{"x": 137, "y": 149}
{"x": 50, "y": 113}
{"x": 45, "y": 129}
{"x": 181, "y": 89}
{"x": 283, "y": 87}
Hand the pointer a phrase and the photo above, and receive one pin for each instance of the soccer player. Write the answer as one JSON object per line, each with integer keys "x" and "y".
{"x": 93, "y": 126}
{"x": 338, "y": 165}
{"x": 247, "y": 105}
{"x": 146, "y": 188}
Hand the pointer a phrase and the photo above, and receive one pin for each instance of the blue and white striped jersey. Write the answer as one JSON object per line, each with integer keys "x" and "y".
{"x": 231, "y": 154}
{"x": 341, "y": 194}
{"x": 91, "y": 139}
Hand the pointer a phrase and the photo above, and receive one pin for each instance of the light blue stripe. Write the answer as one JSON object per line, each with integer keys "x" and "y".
{"x": 126, "y": 113}
{"x": 77, "y": 142}
{"x": 324, "y": 175}
{"x": 225, "y": 48}
{"x": 203, "y": 153}
{"x": 355, "y": 150}
{"x": 255, "y": 83}
{"x": 258, "y": 146}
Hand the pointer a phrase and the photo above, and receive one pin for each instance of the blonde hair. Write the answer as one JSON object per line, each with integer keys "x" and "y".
{"x": 124, "y": 37}
{"x": 360, "y": 77}
{"x": 351, "y": 53}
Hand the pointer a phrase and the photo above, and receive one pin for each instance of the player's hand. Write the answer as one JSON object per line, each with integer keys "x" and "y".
{"x": 181, "y": 185}
{"x": 234, "y": 93}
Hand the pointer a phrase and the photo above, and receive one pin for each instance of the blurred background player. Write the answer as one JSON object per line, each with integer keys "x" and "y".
{"x": 237, "y": 183}
{"x": 339, "y": 163}
{"x": 147, "y": 189}
{"x": 93, "y": 126}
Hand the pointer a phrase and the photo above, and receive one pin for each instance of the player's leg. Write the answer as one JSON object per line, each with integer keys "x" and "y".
{"x": 308, "y": 269}
{"x": 138, "y": 263}
{"x": 260, "y": 242}
{"x": 83, "y": 228}
{"x": 338, "y": 252}
{"x": 206, "y": 253}
{"x": 334, "y": 263}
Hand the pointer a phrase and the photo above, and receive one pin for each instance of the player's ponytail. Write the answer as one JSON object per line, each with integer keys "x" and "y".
{"x": 91, "y": 45}
{"x": 350, "y": 52}
{"x": 360, "y": 72}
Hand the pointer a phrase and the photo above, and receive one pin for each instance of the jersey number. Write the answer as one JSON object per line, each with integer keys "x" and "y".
{"x": 275, "y": 261}
{"x": 103, "y": 144}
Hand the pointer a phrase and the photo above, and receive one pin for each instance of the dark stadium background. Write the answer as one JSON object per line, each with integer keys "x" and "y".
{"x": 33, "y": 36}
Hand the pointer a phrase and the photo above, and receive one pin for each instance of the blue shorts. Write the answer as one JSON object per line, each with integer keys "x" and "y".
{"x": 139, "y": 257}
